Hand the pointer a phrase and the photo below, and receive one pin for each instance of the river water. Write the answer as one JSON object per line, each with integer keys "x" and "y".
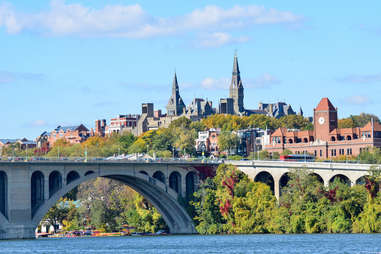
{"x": 319, "y": 243}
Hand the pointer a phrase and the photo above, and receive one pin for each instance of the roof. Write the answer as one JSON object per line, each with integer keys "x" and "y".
{"x": 8, "y": 140}
{"x": 71, "y": 128}
{"x": 325, "y": 105}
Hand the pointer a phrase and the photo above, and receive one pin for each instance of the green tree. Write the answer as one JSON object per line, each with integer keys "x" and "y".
{"x": 227, "y": 141}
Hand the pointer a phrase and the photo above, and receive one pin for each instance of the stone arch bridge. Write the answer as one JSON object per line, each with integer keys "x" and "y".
{"x": 29, "y": 189}
{"x": 275, "y": 173}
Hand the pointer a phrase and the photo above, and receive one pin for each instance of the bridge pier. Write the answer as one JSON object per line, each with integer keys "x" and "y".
{"x": 17, "y": 231}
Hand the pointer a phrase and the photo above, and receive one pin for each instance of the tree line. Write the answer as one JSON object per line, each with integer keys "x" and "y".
{"x": 231, "y": 203}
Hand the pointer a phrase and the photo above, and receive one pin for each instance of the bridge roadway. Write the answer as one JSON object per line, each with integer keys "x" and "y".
{"x": 29, "y": 189}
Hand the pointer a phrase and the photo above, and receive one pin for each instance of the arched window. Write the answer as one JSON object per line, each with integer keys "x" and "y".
{"x": 349, "y": 137}
{"x": 290, "y": 141}
{"x": 333, "y": 138}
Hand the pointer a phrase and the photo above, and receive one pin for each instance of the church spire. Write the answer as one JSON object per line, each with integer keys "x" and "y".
{"x": 236, "y": 88}
{"x": 175, "y": 104}
{"x": 175, "y": 85}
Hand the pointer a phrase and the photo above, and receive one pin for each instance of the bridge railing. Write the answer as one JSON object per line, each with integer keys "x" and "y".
{"x": 107, "y": 159}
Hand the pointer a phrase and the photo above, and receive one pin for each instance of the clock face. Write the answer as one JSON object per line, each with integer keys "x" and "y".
{"x": 321, "y": 120}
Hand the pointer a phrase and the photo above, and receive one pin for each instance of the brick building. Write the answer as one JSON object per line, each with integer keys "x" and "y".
{"x": 72, "y": 134}
{"x": 326, "y": 140}
{"x": 122, "y": 123}
{"x": 207, "y": 142}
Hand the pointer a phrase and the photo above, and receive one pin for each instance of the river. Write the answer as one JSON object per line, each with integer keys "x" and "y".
{"x": 319, "y": 243}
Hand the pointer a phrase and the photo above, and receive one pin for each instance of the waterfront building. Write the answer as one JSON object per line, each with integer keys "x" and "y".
{"x": 326, "y": 140}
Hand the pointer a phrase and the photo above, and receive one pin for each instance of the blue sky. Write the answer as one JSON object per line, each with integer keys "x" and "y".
{"x": 71, "y": 62}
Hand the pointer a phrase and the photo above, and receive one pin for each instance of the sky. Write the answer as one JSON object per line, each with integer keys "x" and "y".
{"x": 72, "y": 62}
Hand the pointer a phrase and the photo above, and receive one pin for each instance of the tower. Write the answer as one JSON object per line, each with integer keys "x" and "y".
{"x": 236, "y": 88}
{"x": 325, "y": 119}
{"x": 175, "y": 106}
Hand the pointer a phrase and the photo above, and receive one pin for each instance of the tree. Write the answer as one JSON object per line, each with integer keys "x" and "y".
{"x": 56, "y": 214}
{"x": 227, "y": 141}
{"x": 208, "y": 219}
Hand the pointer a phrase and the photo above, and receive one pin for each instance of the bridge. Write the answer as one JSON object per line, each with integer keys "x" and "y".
{"x": 29, "y": 189}
{"x": 276, "y": 173}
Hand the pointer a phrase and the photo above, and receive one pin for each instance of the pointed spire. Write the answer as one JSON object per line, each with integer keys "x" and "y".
{"x": 235, "y": 65}
{"x": 175, "y": 85}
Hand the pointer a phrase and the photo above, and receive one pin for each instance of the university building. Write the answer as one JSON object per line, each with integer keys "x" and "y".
{"x": 326, "y": 140}
{"x": 199, "y": 108}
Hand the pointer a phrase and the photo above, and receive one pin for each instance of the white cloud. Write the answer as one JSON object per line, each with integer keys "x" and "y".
{"x": 219, "y": 39}
{"x": 132, "y": 21}
{"x": 361, "y": 79}
{"x": 211, "y": 83}
{"x": 358, "y": 100}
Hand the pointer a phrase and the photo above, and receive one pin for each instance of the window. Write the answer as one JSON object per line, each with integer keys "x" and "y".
{"x": 349, "y": 151}
{"x": 321, "y": 153}
{"x": 333, "y": 152}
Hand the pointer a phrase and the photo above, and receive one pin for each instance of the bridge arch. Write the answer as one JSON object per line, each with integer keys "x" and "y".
{"x": 283, "y": 181}
{"x": 37, "y": 190}
{"x": 3, "y": 194}
{"x": 159, "y": 176}
{"x": 89, "y": 172}
{"x": 361, "y": 180}
{"x": 161, "y": 197}
{"x": 342, "y": 178}
{"x": 55, "y": 182}
{"x": 175, "y": 181}
{"x": 190, "y": 183}
{"x": 72, "y": 176}
{"x": 318, "y": 177}
{"x": 267, "y": 178}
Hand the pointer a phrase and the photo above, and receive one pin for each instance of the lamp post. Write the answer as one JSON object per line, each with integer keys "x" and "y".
{"x": 85, "y": 153}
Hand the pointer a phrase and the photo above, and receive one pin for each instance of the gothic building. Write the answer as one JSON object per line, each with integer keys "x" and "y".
{"x": 175, "y": 106}
{"x": 234, "y": 104}
{"x": 236, "y": 89}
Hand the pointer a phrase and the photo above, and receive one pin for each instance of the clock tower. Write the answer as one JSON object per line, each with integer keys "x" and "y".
{"x": 325, "y": 119}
